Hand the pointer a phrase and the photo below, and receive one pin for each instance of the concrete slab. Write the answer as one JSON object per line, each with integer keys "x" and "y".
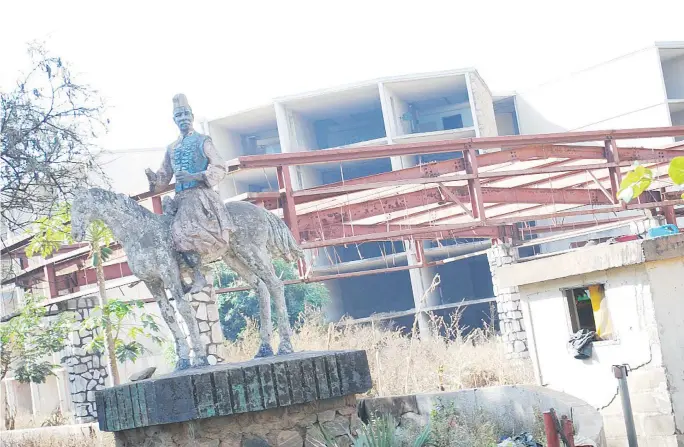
{"x": 236, "y": 388}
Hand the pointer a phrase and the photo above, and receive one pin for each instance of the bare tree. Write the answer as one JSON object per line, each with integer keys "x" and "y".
{"x": 47, "y": 127}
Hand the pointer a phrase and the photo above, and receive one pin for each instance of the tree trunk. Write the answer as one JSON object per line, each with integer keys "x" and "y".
{"x": 110, "y": 351}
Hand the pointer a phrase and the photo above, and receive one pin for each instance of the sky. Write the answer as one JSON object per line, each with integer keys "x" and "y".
{"x": 232, "y": 55}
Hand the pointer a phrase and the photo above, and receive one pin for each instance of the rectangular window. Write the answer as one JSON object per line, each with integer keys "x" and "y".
{"x": 452, "y": 122}
{"x": 588, "y": 310}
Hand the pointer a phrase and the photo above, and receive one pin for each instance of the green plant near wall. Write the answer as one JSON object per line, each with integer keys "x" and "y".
{"x": 129, "y": 324}
{"x": 236, "y": 307}
{"x": 380, "y": 431}
{"x": 112, "y": 337}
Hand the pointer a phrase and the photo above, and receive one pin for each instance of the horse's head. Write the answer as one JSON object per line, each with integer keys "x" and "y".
{"x": 81, "y": 214}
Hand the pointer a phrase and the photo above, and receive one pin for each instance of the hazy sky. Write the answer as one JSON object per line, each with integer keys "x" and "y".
{"x": 230, "y": 55}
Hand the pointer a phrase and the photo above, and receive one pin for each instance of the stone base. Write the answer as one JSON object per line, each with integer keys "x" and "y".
{"x": 292, "y": 426}
{"x": 275, "y": 397}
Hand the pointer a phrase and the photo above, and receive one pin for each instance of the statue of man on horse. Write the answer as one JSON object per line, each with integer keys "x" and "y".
{"x": 201, "y": 226}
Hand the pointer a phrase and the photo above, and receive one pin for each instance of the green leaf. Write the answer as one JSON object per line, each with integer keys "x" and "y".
{"x": 676, "y": 170}
{"x": 635, "y": 183}
{"x": 129, "y": 351}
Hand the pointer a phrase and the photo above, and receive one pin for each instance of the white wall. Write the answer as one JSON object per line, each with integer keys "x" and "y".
{"x": 505, "y": 123}
{"x": 625, "y": 92}
{"x": 678, "y": 120}
{"x": 393, "y": 107}
{"x": 630, "y": 301}
{"x": 673, "y": 73}
{"x": 430, "y": 120}
{"x": 226, "y": 141}
{"x": 667, "y": 286}
{"x": 483, "y": 106}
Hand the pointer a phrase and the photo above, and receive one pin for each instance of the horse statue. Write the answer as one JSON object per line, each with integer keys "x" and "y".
{"x": 146, "y": 240}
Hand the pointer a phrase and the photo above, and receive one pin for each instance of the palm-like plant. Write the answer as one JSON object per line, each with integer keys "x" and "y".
{"x": 50, "y": 233}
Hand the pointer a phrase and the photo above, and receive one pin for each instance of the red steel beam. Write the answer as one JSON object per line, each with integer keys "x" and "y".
{"x": 424, "y": 174}
{"x": 350, "y": 213}
{"x": 613, "y": 156}
{"x": 287, "y": 200}
{"x": 436, "y": 232}
{"x": 89, "y": 276}
{"x": 474, "y": 187}
{"x": 453, "y": 166}
{"x": 491, "y": 223}
{"x": 371, "y": 152}
{"x": 157, "y": 205}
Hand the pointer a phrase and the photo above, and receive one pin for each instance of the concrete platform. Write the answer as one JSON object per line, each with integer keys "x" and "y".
{"x": 231, "y": 389}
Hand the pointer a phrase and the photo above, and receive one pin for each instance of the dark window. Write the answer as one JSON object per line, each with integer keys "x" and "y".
{"x": 452, "y": 122}
{"x": 581, "y": 312}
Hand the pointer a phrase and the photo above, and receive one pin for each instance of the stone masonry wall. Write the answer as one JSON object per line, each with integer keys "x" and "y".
{"x": 511, "y": 322}
{"x": 87, "y": 372}
{"x": 207, "y": 316}
{"x": 294, "y": 426}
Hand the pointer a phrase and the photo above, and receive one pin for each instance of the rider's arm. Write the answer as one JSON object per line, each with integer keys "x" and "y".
{"x": 216, "y": 170}
{"x": 160, "y": 179}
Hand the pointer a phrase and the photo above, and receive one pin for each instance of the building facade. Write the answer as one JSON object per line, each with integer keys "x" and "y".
{"x": 642, "y": 89}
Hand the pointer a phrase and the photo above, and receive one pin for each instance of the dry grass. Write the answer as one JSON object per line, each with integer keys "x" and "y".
{"x": 64, "y": 436}
{"x": 24, "y": 420}
{"x": 446, "y": 362}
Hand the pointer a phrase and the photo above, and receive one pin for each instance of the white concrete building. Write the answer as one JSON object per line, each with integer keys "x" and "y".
{"x": 416, "y": 108}
{"x": 641, "y": 89}
{"x": 638, "y": 313}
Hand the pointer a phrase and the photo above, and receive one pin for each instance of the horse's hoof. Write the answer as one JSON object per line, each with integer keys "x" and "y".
{"x": 201, "y": 361}
{"x": 182, "y": 364}
{"x": 285, "y": 348}
{"x": 264, "y": 351}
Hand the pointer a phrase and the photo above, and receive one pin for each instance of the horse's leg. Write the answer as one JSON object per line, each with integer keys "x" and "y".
{"x": 265, "y": 324}
{"x": 175, "y": 285}
{"x": 169, "y": 315}
{"x": 261, "y": 265}
{"x": 277, "y": 291}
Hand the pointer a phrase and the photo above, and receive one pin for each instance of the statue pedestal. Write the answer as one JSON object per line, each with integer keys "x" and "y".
{"x": 277, "y": 401}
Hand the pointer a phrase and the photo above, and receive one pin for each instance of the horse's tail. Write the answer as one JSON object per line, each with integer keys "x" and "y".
{"x": 280, "y": 239}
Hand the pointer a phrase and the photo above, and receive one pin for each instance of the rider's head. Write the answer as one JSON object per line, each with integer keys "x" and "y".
{"x": 182, "y": 113}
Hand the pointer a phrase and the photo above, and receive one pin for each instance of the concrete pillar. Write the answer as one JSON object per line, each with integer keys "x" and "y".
{"x": 87, "y": 372}
{"x": 207, "y": 316}
{"x": 421, "y": 278}
{"x": 334, "y": 308}
{"x": 511, "y": 322}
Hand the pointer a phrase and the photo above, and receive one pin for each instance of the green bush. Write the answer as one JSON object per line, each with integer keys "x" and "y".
{"x": 236, "y": 307}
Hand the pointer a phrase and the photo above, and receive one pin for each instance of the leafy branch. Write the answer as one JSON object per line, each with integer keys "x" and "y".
{"x": 129, "y": 324}
{"x": 640, "y": 178}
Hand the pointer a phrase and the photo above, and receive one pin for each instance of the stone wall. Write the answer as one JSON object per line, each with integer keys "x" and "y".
{"x": 293, "y": 426}
{"x": 207, "y": 315}
{"x": 87, "y": 372}
{"x": 510, "y": 315}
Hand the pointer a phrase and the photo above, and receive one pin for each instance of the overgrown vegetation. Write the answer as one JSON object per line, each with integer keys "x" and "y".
{"x": 236, "y": 308}
{"x": 28, "y": 340}
{"x": 381, "y": 431}
{"x": 451, "y": 361}
{"x": 112, "y": 321}
{"x": 27, "y": 343}
{"x": 130, "y": 324}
